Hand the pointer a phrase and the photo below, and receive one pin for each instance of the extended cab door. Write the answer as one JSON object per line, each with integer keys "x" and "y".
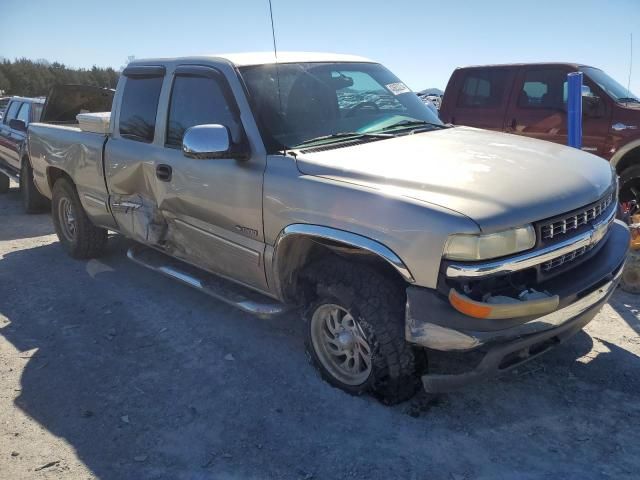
{"x": 478, "y": 97}
{"x": 538, "y": 108}
{"x": 12, "y": 139}
{"x": 205, "y": 211}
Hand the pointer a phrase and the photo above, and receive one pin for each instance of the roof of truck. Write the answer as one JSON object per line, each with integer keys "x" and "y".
{"x": 28, "y": 99}
{"x": 261, "y": 58}
{"x": 529, "y": 64}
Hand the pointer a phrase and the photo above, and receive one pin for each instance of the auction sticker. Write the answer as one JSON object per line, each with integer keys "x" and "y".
{"x": 397, "y": 88}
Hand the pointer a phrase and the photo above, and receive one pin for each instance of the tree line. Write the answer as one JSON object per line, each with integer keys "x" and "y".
{"x": 30, "y": 78}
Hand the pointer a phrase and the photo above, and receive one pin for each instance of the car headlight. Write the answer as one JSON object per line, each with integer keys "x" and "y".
{"x": 481, "y": 247}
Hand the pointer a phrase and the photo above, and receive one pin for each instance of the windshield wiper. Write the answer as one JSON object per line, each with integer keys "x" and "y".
{"x": 412, "y": 124}
{"x": 341, "y": 135}
{"x": 628, "y": 100}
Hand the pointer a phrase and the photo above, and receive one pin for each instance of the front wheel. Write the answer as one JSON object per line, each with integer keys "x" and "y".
{"x": 630, "y": 187}
{"x": 355, "y": 331}
{"x": 78, "y": 236}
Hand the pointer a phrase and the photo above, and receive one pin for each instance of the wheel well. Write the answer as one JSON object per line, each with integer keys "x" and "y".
{"x": 54, "y": 174}
{"x": 632, "y": 157}
{"x": 301, "y": 252}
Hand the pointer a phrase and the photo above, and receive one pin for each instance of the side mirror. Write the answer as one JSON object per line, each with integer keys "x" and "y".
{"x": 18, "y": 125}
{"x": 207, "y": 141}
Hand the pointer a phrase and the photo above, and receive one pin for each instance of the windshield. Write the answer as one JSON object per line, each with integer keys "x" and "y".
{"x": 610, "y": 86}
{"x": 320, "y": 100}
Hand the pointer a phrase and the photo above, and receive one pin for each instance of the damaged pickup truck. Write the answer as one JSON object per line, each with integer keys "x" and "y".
{"x": 321, "y": 181}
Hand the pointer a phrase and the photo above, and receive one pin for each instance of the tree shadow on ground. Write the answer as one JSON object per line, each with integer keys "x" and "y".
{"x": 132, "y": 365}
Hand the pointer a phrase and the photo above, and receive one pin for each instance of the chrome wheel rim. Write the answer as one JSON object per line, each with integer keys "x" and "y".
{"x": 340, "y": 344}
{"x": 67, "y": 218}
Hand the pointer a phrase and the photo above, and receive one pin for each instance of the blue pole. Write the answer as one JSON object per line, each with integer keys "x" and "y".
{"x": 574, "y": 109}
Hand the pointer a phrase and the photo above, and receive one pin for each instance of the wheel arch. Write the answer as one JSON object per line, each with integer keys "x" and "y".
{"x": 626, "y": 156}
{"x": 298, "y": 245}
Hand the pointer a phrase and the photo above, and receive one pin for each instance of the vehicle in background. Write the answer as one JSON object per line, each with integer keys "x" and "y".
{"x": 4, "y": 101}
{"x": 530, "y": 99}
{"x": 430, "y": 105}
{"x": 341, "y": 193}
{"x": 63, "y": 104}
{"x": 14, "y": 157}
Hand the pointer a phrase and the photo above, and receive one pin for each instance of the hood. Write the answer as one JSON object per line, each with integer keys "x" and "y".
{"x": 498, "y": 180}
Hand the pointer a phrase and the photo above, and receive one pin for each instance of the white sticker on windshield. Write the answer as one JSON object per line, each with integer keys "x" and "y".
{"x": 397, "y": 88}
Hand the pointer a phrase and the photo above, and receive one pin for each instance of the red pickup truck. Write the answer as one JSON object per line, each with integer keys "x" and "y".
{"x": 531, "y": 100}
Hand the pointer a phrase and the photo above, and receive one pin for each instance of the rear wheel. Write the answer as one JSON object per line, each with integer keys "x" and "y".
{"x": 4, "y": 183}
{"x": 355, "y": 331}
{"x": 32, "y": 199}
{"x": 78, "y": 236}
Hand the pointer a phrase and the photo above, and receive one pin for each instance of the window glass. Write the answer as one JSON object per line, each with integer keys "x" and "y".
{"x": 302, "y": 102}
{"x": 12, "y": 111}
{"x": 139, "y": 107}
{"x": 36, "y": 108}
{"x": 543, "y": 88}
{"x": 23, "y": 114}
{"x": 197, "y": 101}
{"x": 483, "y": 88}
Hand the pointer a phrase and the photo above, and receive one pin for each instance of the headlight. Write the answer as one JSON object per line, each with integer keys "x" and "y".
{"x": 482, "y": 247}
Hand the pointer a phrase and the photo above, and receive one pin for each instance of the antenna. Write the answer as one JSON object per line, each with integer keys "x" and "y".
{"x": 630, "y": 63}
{"x": 275, "y": 54}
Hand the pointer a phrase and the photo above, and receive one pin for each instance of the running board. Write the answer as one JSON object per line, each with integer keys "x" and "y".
{"x": 219, "y": 288}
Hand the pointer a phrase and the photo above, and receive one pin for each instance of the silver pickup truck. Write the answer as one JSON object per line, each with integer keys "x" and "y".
{"x": 322, "y": 181}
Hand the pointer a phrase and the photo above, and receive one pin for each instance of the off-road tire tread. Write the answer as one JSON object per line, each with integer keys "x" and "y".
{"x": 380, "y": 305}
{"x": 90, "y": 240}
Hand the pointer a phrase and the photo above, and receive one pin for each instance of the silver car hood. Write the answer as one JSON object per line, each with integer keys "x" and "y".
{"x": 498, "y": 180}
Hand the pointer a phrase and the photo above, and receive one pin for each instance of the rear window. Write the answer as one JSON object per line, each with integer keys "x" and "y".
{"x": 483, "y": 88}
{"x": 139, "y": 107}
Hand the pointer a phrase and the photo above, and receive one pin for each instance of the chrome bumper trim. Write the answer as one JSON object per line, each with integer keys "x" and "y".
{"x": 535, "y": 257}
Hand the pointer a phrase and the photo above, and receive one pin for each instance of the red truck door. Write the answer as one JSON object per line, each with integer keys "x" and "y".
{"x": 538, "y": 108}
{"x": 477, "y": 97}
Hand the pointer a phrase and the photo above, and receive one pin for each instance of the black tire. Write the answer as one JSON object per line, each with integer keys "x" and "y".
{"x": 4, "y": 183}
{"x": 378, "y": 305}
{"x": 32, "y": 200}
{"x": 86, "y": 240}
{"x": 629, "y": 178}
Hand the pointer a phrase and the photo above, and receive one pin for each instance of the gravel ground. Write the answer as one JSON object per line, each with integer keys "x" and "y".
{"x": 110, "y": 371}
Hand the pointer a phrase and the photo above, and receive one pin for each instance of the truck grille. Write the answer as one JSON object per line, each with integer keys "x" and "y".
{"x": 564, "y": 259}
{"x": 574, "y": 220}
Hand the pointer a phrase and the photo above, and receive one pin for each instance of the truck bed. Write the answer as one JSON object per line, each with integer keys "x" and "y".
{"x": 56, "y": 149}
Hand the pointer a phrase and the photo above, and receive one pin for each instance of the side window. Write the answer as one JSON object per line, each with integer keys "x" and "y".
{"x": 11, "y": 112}
{"x": 23, "y": 114}
{"x": 139, "y": 108}
{"x": 483, "y": 88}
{"x": 543, "y": 88}
{"x": 197, "y": 100}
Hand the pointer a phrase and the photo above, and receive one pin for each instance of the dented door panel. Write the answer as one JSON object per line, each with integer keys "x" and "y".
{"x": 214, "y": 214}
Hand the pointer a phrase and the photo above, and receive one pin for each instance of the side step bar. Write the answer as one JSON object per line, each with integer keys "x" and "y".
{"x": 224, "y": 290}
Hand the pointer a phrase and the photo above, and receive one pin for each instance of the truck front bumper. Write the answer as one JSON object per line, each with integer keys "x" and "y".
{"x": 433, "y": 323}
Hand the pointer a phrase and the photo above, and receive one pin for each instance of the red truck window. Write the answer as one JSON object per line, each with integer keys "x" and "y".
{"x": 543, "y": 88}
{"x": 482, "y": 88}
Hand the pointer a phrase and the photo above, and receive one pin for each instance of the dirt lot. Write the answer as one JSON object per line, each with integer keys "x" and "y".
{"x": 111, "y": 371}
